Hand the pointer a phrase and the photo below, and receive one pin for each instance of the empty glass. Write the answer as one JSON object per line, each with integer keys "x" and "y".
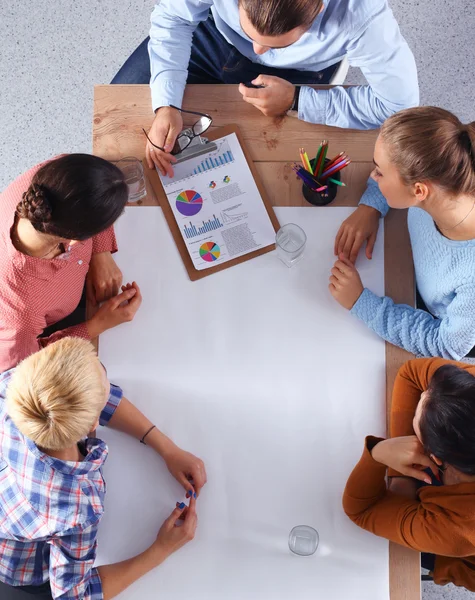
{"x": 303, "y": 540}
{"x": 132, "y": 168}
{"x": 290, "y": 243}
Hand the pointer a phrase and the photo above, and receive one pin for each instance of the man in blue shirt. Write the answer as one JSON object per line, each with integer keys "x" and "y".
{"x": 275, "y": 44}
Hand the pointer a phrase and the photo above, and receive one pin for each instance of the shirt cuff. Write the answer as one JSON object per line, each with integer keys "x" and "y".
{"x": 367, "y": 305}
{"x": 104, "y": 241}
{"x": 374, "y": 198}
{"x": 115, "y": 396}
{"x": 167, "y": 92}
{"x": 313, "y": 105}
{"x": 95, "y": 586}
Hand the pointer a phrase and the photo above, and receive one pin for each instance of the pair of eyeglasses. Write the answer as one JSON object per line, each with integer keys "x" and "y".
{"x": 185, "y": 138}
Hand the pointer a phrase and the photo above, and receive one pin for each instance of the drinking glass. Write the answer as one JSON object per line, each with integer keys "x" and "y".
{"x": 132, "y": 169}
{"x": 290, "y": 243}
{"x": 303, "y": 540}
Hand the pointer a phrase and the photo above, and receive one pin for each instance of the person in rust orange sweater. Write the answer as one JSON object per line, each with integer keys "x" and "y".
{"x": 429, "y": 504}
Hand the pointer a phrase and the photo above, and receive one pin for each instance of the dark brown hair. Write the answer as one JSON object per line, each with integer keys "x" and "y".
{"x": 74, "y": 197}
{"x": 276, "y": 17}
{"x": 431, "y": 144}
{"x": 447, "y": 421}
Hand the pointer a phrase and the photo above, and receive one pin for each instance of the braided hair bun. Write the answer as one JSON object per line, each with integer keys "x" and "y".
{"x": 35, "y": 205}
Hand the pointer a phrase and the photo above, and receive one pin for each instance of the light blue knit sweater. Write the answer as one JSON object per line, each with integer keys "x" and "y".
{"x": 445, "y": 277}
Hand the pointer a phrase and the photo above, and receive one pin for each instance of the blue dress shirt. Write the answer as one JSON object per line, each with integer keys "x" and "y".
{"x": 363, "y": 30}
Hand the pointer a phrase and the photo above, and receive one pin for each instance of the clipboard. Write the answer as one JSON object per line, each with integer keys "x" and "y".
{"x": 156, "y": 184}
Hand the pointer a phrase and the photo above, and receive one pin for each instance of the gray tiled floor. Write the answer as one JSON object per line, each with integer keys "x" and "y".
{"x": 52, "y": 53}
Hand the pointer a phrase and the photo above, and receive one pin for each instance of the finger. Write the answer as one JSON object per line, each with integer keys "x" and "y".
{"x": 416, "y": 474}
{"x": 176, "y": 514}
{"x": 355, "y": 249}
{"x": 170, "y": 139}
{"x": 332, "y": 289}
{"x": 148, "y": 156}
{"x": 264, "y": 80}
{"x": 257, "y": 102}
{"x": 350, "y": 240}
{"x": 370, "y": 245}
{"x": 91, "y": 297}
{"x": 426, "y": 462}
{"x": 342, "y": 242}
{"x": 123, "y": 297}
{"x": 192, "y": 506}
{"x": 338, "y": 273}
{"x": 347, "y": 264}
{"x": 335, "y": 282}
{"x": 336, "y": 245}
{"x": 251, "y": 93}
{"x": 199, "y": 477}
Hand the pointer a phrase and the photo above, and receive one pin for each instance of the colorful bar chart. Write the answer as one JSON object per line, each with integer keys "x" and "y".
{"x": 214, "y": 161}
{"x": 209, "y": 225}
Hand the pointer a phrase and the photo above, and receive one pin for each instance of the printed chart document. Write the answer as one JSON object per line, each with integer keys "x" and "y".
{"x": 217, "y": 205}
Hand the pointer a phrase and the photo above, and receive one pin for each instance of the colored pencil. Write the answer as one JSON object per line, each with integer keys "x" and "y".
{"x": 302, "y": 158}
{"x": 307, "y": 162}
{"x": 317, "y": 155}
{"x": 338, "y": 158}
{"x": 298, "y": 168}
{"x": 322, "y": 159}
{"x": 337, "y": 182}
{"x": 310, "y": 183}
{"x": 335, "y": 169}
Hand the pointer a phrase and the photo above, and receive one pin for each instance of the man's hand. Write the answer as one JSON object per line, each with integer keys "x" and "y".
{"x": 187, "y": 469}
{"x": 103, "y": 278}
{"x": 405, "y": 455}
{"x": 362, "y": 225}
{"x": 115, "y": 311}
{"x": 168, "y": 123}
{"x": 273, "y": 100}
{"x": 345, "y": 283}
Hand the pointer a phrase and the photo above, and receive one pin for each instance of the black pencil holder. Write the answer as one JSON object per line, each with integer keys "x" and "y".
{"x": 326, "y": 196}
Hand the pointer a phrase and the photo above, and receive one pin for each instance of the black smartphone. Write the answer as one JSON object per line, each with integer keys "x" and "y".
{"x": 249, "y": 84}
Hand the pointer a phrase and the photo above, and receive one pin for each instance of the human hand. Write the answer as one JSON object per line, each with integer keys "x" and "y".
{"x": 345, "y": 283}
{"x": 103, "y": 278}
{"x": 273, "y": 100}
{"x": 117, "y": 310}
{"x": 405, "y": 455}
{"x": 362, "y": 225}
{"x": 173, "y": 536}
{"x": 168, "y": 123}
{"x": 187, "y": 469}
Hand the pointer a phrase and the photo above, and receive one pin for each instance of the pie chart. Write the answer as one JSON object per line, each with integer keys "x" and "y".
{"x": 189, "y": 203}
{"x": 210, "y": 251}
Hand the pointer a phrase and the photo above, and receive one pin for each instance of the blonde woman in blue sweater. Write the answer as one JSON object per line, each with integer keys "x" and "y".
{"x": 425, "y": 161}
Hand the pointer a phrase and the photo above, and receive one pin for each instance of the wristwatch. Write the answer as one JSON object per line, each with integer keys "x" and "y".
{"x": 294, "y": 109}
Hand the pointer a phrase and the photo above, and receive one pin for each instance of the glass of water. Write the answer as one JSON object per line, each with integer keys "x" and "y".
{"x": 132, "y": 169}
{"x": 303, "y": 540}
{"x": 290, "y": 242}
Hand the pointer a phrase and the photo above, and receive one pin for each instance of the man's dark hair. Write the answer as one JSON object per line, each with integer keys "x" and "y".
{"x": 74, "y": 197}
{"x": 447, "y": 423}
{"x": 276, "y": 17}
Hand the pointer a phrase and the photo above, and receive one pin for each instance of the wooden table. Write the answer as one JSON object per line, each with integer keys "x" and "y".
{"x": 120, "y": 113}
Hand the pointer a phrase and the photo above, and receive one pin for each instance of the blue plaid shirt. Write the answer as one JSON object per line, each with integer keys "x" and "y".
{"x": 50, "y": 510}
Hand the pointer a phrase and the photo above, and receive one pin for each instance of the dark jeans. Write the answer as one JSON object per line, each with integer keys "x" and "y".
{"x": 25, "y": 592}
{"x": 421, "y": 304}
{"x": 213, "y": 60}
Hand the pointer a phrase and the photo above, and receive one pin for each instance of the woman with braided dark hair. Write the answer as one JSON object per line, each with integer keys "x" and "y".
{"x": 56, "y": 235}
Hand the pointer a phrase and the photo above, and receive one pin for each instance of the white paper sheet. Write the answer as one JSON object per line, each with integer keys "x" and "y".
{"x": 263, "y": 375}
{"x": 217, "y": 205}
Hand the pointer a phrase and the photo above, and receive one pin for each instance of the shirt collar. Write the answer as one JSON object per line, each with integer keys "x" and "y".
{"x": 96, "y": 456}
